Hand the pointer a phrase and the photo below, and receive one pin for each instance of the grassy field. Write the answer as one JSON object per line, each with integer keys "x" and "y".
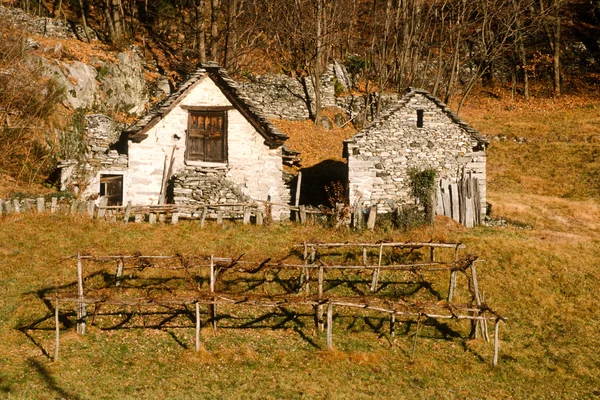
{"x": 541, "y": 272}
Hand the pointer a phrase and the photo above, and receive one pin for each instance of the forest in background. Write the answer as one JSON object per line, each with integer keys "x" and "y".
{"x": 536, "y": 48}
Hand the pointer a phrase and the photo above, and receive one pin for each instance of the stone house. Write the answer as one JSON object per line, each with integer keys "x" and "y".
{"x": 204, "y": 144}
{"x": 419, "y": 132}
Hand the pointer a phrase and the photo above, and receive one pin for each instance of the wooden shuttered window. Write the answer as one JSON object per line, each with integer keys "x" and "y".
{"x": 207, "y": 136}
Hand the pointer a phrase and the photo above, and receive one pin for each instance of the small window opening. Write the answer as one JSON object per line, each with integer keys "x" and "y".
{"x": 111, "y": 187}
{"x": 419, "y": 118}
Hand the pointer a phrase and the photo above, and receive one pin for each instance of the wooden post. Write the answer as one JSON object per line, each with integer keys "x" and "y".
{"x": 53, "y": 205}
{"x": 414, "y": 347}
{"x": 259, "y": 217}
{"x": 127, "y": 213}
{"x": 162, "y": 217}
{"x": 302, "y": 214}
{"x": 452, "y": 286}
{"x": 298, "y": 186}
{"x": 152, "y": 218}
{"x": 16, "y": 206}
{"x": 313, "y": 256}
{"x": 375, "y": 281}
{"x": 364, "y": 255}
{"x": 1, "y": 206}
{"x": 304, "y": 269}
{"x": 219, "y": 217}
{"x": 119, "y": 273}
{"x": 102, "y": 207}
{"x": 393, "y": 325}
{"x": 432, "y": 254}
{"x": 372, "y": 217}
{"x": 56, "y": 321}
{"x": 203, "y": 216}
{"x": 198, "y": 326}
{"x": 247, "y": 214}
{"x": 496, "y": 342}
{"x": 139, "y": 218}
{"x": 329, "y": 326}
{"x": 91, "y": 206}
{"x": 81, "y": 307}
{"x": 174, "y": 218}
{"x": 73, "y": 208}
{"x": 319, "y": 318}
{"x": 41, "y": 205}
{"x": 213, "y": 277}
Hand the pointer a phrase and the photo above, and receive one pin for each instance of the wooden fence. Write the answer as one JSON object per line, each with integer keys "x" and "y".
{"x": 95, "y": 289}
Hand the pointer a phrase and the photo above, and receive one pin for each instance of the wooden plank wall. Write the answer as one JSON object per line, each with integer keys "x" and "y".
{"x": 459, "y": 201}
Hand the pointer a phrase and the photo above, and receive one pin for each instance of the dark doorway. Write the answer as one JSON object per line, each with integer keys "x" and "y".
{"x": 111, "y": 187}
{"x": 316, "y": 179}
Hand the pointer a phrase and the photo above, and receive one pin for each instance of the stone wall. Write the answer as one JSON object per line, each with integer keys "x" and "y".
{"x": 252, "y": 168}
{"x": 197, "y": 185}
{"x": 83, "y": 176}
{"x": 380, "y": 156}
{"x": 284, "y": 97}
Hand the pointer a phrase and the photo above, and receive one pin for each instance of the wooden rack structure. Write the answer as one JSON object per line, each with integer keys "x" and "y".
{"x": 118, "y": 291}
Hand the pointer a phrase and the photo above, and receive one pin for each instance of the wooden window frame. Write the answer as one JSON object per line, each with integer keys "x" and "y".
{"x": 205, "y": 158}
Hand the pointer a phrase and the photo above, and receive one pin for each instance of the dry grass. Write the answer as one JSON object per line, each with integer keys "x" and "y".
{"x": 541, "y": 272}
{"x": 314, "y": 142}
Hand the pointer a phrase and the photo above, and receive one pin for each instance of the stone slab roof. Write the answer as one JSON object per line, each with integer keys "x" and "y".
{"x": 411, "y": 92}
{"x": 248, "y": 108}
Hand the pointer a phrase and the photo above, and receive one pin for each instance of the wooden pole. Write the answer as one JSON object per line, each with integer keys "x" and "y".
{"x": 414, "y": 347}
{"x": 56, "y": 321}
{"x": 174, "y": 218}
{"x": 392, "y": 325}
{"x": 372, "y": 217}
{"x": 127, "y": 213}
{"x": 259, "y": 217}
{"x": 247, "y": 213}
{"x": 152, "y": 218}
{"x": 452, "y": 286}
{"x": 329, "y": 326}
{"x": 119, "y": 272}
{"x": 320, "y": 306}
{"x": 375, "y": 281}
{"x": 81, "y": 308}
{"x": 198, "y": 326}
{"x": 313, "y": 257}
{"x": 53, "y": 205}
{"x": 496, "y": 342}
{"x": 212, "y": 290}
{"x": 302, "y": 214}
{"x": 297, "y": 201}
{"x": 102, "y": 207}
{"x": 203, "y": 216}
{"x": 41, "y": 205}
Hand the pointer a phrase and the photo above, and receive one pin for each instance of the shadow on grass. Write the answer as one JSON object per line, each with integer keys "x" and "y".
{"x": 49, "y": 380}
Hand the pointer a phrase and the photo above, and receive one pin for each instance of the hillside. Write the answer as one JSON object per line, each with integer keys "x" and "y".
{"x": 539, "y": 269}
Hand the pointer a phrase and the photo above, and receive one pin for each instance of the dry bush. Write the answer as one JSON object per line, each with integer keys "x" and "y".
{"x": 28, "y": 100}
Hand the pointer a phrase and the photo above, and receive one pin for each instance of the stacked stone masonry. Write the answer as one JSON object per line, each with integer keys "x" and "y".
{"x": 381, "y": 155}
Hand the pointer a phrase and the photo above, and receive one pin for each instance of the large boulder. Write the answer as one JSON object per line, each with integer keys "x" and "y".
{"x": 123, "y": 85}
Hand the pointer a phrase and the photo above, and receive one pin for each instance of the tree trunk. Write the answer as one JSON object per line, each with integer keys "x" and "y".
{"x": 316, "y": 78}
{"x": 230, "y": 34}
{"x": 200, "y": 33}
{"x": 556, "y": 55}
{"x": 214, "y": 29}
{"x": 84, "y": 21}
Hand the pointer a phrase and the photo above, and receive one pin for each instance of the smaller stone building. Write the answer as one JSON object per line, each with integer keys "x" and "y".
{"x": 419, "y": 132}
{"x": 207, "y": 143}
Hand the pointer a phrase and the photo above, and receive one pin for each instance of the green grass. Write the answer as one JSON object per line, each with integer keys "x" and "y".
{"x": 544, "y": 278}
{"x": 546, "y": 286}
